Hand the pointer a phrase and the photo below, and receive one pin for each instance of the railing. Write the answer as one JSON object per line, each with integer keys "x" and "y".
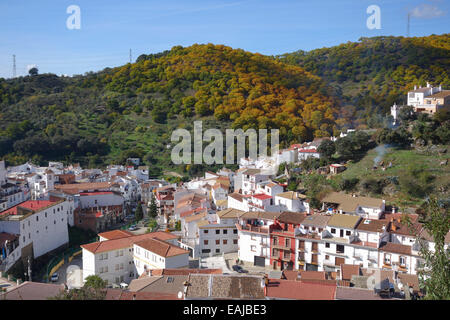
{"x": 251, "y": 228}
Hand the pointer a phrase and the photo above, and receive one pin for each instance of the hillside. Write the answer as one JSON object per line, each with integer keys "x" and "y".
{"x": 373, "y": 73}
{"x": 131, "y": 110}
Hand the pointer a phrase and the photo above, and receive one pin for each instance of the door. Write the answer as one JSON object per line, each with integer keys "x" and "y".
{"x": 259, "y": 261}
{"x": 339, "y": 261}
{"x": 342, "y": 233}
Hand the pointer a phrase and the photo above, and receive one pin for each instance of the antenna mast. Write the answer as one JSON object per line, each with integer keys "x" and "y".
{"x": 407, "y": 30}
{"x": 14, "y": 65}
{"x": 130, "y": 56}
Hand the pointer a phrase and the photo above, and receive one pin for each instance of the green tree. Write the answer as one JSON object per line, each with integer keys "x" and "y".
{"x": 95, "y": 282}
{"x": 93, "y": 289}
{"x": 33, "y": 71}
{"x": 152, "y": 224}
{"x": 435, "y": 274}
{"x": 326, "y": 149}
{"x": 153, "y": 209}
{"x": 139, "y": 214}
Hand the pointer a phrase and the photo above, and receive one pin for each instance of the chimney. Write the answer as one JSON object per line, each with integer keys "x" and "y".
{"x": 134, "y": 296}
{"x": 415, "y": 87}
{"x": 428, "y": 85}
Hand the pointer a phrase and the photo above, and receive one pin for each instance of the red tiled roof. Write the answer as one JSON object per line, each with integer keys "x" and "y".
{"x": 182, "y": 272}
{"x": 83, "y": 186}
{"x": 95, "y": 193}
{"x": 161, "y": 248}
{"x": 34, "y": 205}
{"x": 6, "y": 237}
{"x": 190, "y": 212}
{"x": 348, "y": 270}
{"x": 298, "y": 290}
{"x": 396, "y": 248}
{"x": 115, "y": 234}
{"x": 262, "y": 196}
{"x": 114, "y": 244}
{"x": 126, "y": 295}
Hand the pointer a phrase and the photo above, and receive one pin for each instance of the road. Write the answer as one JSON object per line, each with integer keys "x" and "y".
{"x": 75, "y": 264}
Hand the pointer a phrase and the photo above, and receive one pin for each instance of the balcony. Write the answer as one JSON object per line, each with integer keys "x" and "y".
{"x": 281, "y": 247}
{"x": 251, "y": 228}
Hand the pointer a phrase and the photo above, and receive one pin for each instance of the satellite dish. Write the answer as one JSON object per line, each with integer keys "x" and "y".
{"x": 180, "y": 294}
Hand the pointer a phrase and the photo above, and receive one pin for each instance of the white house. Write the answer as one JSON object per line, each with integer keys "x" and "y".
{"x": 291, "y": 201}
{"x": 254, "y": 237}
{"x": 39, "y": 225}
{"x": 122, "y": 258}
{"x": 157, "y": 254}
{"x": 366, "y": 207}
{"x": 220, "y": 237}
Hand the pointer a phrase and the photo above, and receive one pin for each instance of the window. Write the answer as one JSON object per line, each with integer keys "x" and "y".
{"x": 387, "y": 258}
{"x": 327, "y": 257}
{"x": 225, "y": 231}
{"x": 287, "y": 242}
{"x": 217, "y": 241}
{"x": 217, "y": 231}
{"x": 217, "y": 250}
{"x": 235, "y": 241}
{"x": 340, "y": 248}
{"x": 205, "y": 241}
{"x": 402, "y": 261}
{"x": 275, "y": 241}
{"x": 225, "y": 241}
{"x": 205, "y": 231}
{"x": 327, "y": 244}
{"x": 333, "y": 230}
{"x": 206, "y": 250}
{"x": 347, "y": 233}
{"x": 46, "y": 214}
{"x": 253, "y": 248}
{"x": 235, "y": 231}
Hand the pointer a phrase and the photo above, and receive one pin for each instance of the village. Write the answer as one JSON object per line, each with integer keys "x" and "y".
{"x": 230, "y": 234}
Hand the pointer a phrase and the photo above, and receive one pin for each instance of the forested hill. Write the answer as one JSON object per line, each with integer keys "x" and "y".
{"x": 131, "y": 110}
{"x": 373, "y": 73}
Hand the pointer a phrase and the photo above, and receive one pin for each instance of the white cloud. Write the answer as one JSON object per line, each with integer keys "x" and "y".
{"x": 31, "y": 66}
{"x": 426, "y": 11}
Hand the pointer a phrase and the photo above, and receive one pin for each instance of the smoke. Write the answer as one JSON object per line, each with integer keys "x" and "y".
{"x": 381, "y": 151}
{"x": 426, "y": 11}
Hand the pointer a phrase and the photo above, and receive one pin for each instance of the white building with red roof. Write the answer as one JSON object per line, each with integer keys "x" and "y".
{"x": 39, "y": 225}
{"x": 121, "y": 257}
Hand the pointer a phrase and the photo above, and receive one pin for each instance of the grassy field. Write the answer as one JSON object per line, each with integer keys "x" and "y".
{"x": 402, "y": 162}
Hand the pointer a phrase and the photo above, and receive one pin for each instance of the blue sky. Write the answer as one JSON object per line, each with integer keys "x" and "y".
{"x": 36, "y": 32}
